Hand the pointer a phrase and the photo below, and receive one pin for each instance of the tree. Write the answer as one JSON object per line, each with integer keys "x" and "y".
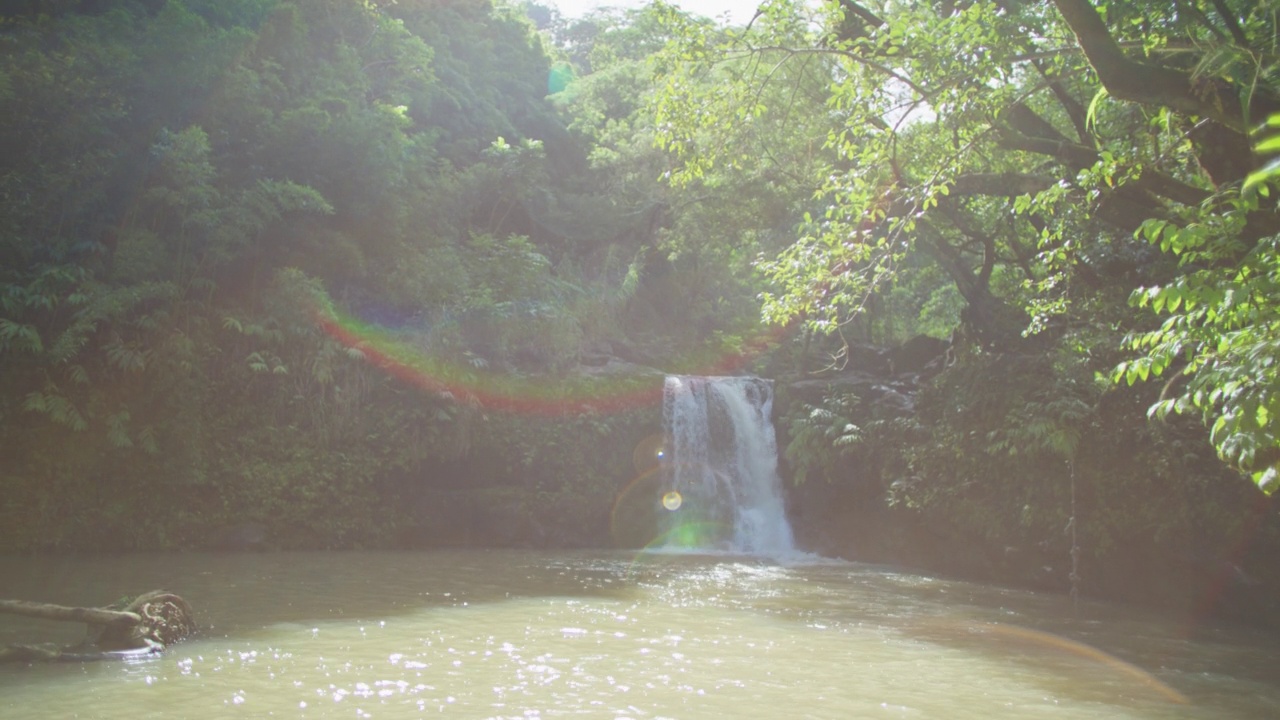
{"x": 1032, "y": 150}
{"x": 185, "y": 183}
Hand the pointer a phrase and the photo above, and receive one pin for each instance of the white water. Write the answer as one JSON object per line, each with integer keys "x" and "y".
{"x": 724, "y": 464}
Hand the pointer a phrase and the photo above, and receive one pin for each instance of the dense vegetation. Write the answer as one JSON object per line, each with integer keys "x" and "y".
{"x": 361, "y": 271}
{"x": 192, "y": 190}
{"x": 1079, "y": 181}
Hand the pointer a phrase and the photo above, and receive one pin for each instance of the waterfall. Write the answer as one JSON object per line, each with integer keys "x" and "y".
{"x": 724, "y": 492}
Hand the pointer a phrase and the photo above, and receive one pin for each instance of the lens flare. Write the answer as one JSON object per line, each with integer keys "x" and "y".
{"x": 634, "y": 517}
{"x": 1088, "y": 652}
{"x": 1014, "y": 634}
{"x": 683, "y": 537}
{"x": 559, "y": 78}
{"x": 650, "y": 452}
{"x": 393, "y": 353}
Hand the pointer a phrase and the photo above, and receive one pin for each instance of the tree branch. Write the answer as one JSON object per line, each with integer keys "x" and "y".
{"x": 89, "y": 615}
{"x": 1145, "y": 83}
{"x": 1074, "y": 156}
{"x": 1233, "y": 25}
{"x": 857, "y": 21}
{"x": 1075, "y": 111}
{"x": 1190, "y": 9}
{"x": 878, "y": 67}
{"x": 1028, "y": 122}
{"x": 984, "y": 239}
{"x": 999, "y": 184}
{"x": 1078, "y": 157}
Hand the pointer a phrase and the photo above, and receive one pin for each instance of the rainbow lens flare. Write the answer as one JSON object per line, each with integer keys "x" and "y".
{"x": 387, "y": 350}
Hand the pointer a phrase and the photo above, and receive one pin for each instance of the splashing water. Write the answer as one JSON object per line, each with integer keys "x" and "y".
{"x": 724, "y": 466}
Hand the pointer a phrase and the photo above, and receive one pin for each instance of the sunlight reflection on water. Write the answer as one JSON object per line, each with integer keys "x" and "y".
{"x": 519, "y": 635}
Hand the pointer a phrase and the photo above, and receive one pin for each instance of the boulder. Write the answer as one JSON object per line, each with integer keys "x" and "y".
{"x": 913, "y": 356}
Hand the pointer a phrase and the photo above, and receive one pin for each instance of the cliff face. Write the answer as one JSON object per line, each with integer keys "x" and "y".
{"x": 952, "y": 466}
{"x": 862, "y": 527}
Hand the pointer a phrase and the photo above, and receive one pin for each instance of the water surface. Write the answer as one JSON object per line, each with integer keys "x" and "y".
{"x": 611, "y": 635}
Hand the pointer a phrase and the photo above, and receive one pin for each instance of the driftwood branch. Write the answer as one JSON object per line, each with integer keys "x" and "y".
{"x": 91, "y": 616}
{"x": 147, "y": 625}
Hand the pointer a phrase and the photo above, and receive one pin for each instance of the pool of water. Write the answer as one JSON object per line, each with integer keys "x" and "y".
{"x": 612, "y": 635}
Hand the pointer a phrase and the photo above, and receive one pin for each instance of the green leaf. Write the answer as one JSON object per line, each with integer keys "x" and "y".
{"x": 1268, "y": 171}
{"x": 1268, "y": 480}
{"x": 1091, "y": 116}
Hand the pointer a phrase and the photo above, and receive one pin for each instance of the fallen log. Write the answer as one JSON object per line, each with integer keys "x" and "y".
{"x": 46, "y": 611}
{"x": 145, "y": 625}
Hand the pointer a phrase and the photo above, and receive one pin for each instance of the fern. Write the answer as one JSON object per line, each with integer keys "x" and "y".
{"x": 118, "y": 429}
{"x": 19, "y": 337}
{"x": 56, "y": 407}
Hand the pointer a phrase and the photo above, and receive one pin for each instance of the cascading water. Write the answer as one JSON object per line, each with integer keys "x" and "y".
{"x": 725, "y": 492}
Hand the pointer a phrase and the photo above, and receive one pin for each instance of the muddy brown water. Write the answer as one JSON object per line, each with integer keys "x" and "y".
{"x": 503, "y": 634}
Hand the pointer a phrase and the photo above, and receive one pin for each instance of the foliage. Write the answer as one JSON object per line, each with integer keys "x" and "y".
{"x": 1218, "y": 341}
{"x": 187, "y": 182}
{"x": 189, "y": 185}
{"x": 820, "y": 438}
{"x": 991, "y": 452}
{"x": 1025, "y": 150}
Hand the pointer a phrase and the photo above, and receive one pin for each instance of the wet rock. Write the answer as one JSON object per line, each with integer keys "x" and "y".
{"x": 869, "y": 359}
{"x": 597, "y": 366}
{"x": 883, "y": 396}
{"x": 915, "y": 355}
